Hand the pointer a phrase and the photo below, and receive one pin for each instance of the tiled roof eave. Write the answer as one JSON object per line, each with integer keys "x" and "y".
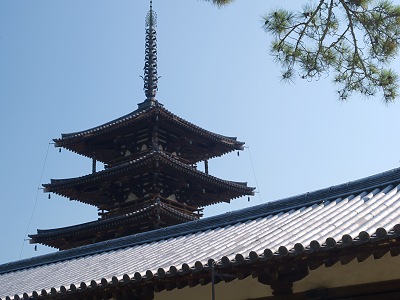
{"x": 368, "y": 225}
{"x": 70, "y": 138}
{"x": 313, "y": 256}
{"x": 109, "y": 126}
{"x": 259, "y": 211}
{"x": 58, "y": 184}
{"x": 46, "y": 235}
{"x": 229, "y": 141}
{"x": 91, "y": 226}
{"x": 240, "y": 186}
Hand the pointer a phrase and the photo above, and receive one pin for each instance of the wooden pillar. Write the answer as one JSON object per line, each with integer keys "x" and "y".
{"x": 94, "y": 164}
{"x": 154, "y": 137}
{"x": 206, "y": 166}
{"x": 158, "y": 213}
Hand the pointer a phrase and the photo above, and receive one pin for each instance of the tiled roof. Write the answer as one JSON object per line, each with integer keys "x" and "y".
{"x": 233, "y": 189}
{"x": 57, "y": 237}
{"x": 346, "y": 216}
{"x": 138, "y": 115}
{"x": 119, "y": 139}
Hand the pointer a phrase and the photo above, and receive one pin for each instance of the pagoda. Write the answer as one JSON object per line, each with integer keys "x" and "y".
{"x": 150, "y": 178}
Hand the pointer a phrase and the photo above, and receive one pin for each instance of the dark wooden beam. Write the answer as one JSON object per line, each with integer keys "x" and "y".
{"x": 281, "y": 279}
{"x": 385, "y": 290}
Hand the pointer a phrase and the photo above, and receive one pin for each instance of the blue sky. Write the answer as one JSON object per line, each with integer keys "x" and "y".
{"x": 70, "y": 65}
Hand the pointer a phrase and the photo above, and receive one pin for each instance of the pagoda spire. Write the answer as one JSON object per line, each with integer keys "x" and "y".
{"x": 150, "y": 66}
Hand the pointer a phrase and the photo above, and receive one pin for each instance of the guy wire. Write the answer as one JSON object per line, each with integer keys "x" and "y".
{"x": 254, "y": 174}
{"x": 36, "y": 200}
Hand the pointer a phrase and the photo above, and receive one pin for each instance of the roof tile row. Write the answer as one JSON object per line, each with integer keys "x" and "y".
{"x": 362, "y": 212}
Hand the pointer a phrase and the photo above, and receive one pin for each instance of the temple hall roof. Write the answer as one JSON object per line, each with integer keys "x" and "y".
{"x": 354, "y": 220}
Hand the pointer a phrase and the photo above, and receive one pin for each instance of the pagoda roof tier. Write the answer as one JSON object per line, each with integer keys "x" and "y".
{"x": 156, "y": 173}
{"x": 123, "y": 137}
{"x": 102, "y": 230}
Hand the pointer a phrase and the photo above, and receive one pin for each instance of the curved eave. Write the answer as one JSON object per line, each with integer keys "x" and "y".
{"x": 233, "y": 266}
{"x": 231, "y": 141}
{"x": 89, "y": 226}
{"x": 51, "y": 237}
{"x": 75, "y": 142}
{"x": 238, "y": 188}
{"x": 101, "y": 129}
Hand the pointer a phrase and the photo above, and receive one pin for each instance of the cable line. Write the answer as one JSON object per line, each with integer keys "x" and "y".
{"x": 254, "y": 174}
{"x": 34, "y": 206}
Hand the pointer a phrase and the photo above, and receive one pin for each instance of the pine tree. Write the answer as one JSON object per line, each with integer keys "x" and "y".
{"x": 355, "y": 40}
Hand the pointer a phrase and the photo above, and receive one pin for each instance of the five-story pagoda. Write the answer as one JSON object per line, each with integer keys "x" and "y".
{"x": 150, "y": 178}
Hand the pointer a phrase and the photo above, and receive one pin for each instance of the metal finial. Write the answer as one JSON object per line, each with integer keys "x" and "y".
{"x": 151, "y": 17}
{"x": 150, "y": 65}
